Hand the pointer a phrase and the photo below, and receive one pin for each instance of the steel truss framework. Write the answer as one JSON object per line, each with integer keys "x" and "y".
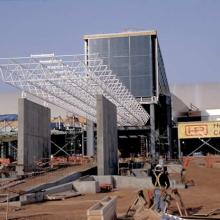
{"x": 72, "y": 83}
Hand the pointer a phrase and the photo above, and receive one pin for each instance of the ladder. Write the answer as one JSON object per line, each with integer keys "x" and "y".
{"x": 143, "y": 146}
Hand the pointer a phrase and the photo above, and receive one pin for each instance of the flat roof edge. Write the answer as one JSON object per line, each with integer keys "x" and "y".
{"x": 121, "y": 34}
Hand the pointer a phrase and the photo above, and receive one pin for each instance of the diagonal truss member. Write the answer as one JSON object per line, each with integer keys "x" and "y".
{"x": 72, "y": 83}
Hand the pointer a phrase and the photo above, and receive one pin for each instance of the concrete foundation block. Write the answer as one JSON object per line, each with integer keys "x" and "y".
{"x": 14, "y": 204}
{"x": 180, "y": 186}
{"x": 172, "y": 184}
{"x": 63, "y": 180}
{"x": 103, "y": 210}
{"x": 175, "y": 185}
{"x": 105, "y": 180}
{"x": 59, "y": 188}
{"x": 86, "y": 186}
{"x": 132, "y": 182}
{"x": 87, "y": 178}
{"x": 31, "y": 198}
{"x": 174, "y": 168}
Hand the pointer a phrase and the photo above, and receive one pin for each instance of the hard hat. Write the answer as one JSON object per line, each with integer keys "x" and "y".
{"x": 158, "y": 167}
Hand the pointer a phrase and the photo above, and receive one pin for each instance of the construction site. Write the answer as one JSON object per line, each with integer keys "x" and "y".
{"x": 125, "y": 148}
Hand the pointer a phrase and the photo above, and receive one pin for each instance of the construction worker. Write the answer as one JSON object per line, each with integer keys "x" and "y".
{"x": 161, "y": 182}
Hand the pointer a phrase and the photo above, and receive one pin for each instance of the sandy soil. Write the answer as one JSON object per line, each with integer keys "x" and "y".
{"x": 201, "y": 198}
{"x": 205, "y": 195}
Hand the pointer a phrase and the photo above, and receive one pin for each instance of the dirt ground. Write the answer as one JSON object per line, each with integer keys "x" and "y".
{"x": 205, "y": 195}
{"x": 201, "y": 198}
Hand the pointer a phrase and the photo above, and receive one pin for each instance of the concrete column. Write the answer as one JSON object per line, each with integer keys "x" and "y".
{"x": 152, "y": 130}
{"x": 33, "y": 135}
{"x": 2, "y": 150}
{"x": 179, "y": 149}
{"x": 9, "y": 148}
{"x": 83, "y": 145}
{"x": 107, "y": 137}
{"x": 170, "y": 149}
{"x": 90, "y": 138}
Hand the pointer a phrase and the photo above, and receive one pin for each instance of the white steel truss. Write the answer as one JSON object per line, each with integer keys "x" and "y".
{"x": 72, "y": 82}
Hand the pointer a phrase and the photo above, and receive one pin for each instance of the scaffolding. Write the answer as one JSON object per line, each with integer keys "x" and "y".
{"x": 143, "y": 146}
{"x": 72, "y": 84}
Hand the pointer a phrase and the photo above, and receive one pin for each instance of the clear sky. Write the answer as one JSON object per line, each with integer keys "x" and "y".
{"x": 188, "y": 30}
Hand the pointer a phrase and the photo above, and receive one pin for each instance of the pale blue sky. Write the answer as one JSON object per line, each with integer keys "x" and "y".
{"x": 188, "y": 30}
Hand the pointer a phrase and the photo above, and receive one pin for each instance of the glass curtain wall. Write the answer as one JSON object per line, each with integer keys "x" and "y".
{"x": 163, "y": 83}
{"x": 130, "y": 58}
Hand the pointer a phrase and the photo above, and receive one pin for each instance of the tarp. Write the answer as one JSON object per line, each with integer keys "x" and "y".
{"x": 10, "y": 117}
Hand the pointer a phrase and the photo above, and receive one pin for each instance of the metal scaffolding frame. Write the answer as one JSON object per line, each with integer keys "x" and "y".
{"x": 72, "y": 83}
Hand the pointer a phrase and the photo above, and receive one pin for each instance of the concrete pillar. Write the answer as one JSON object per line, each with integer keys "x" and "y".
{"x": 9, "y": 148}
{"x": 2, "y": 150}
{"x": 107, "y": 137}
{"x": 152, "y": 130}
{"x": 83, "y": 144}
{"x": 90, "y": 138}
{"x": 33, "y": 135}
{"x": 170, "y": 149}
{"x": 179, "y": 149}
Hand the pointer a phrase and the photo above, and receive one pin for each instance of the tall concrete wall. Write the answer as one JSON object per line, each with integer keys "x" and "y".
{"x": 33, "y": 134}
{"x": 107, "y": 137}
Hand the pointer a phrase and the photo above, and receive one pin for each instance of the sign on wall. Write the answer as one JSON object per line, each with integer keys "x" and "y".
{"x": 199, "y": 129}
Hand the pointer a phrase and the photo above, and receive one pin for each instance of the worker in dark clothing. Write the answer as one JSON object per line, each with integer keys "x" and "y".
{"x": 161, "y": 182}
{"x": 160, "y": 178}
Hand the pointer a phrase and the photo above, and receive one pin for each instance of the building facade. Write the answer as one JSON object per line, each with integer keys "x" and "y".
{"x": 135, "y": 57}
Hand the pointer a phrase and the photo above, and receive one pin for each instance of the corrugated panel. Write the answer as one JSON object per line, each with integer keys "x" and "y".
{"x": 10, "y": 117}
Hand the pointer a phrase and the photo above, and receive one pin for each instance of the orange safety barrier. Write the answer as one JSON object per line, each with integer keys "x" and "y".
{"x": 75, "y": 160}
{"x": 186, "y": 161}
{"x": 58, "y": 161}
{"x": 71, "y": 160}
{"x": 4, "y": 161}
{"x": 78, "y": 160}
{"x": 212, "y": 160}
{"x": 208, "y": 161}
{"x": 150, "y": 195}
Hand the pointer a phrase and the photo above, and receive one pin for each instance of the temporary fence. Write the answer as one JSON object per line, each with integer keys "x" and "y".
{"x": 209, "y": 161}
{"x": 71, "y": 160}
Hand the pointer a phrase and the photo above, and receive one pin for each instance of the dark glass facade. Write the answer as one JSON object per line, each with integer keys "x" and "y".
{"x": 132, "y": 59}
{"x": 163, "y": 83}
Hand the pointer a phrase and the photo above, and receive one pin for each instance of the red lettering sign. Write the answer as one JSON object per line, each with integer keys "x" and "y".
{"x": 196, "y": 130}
